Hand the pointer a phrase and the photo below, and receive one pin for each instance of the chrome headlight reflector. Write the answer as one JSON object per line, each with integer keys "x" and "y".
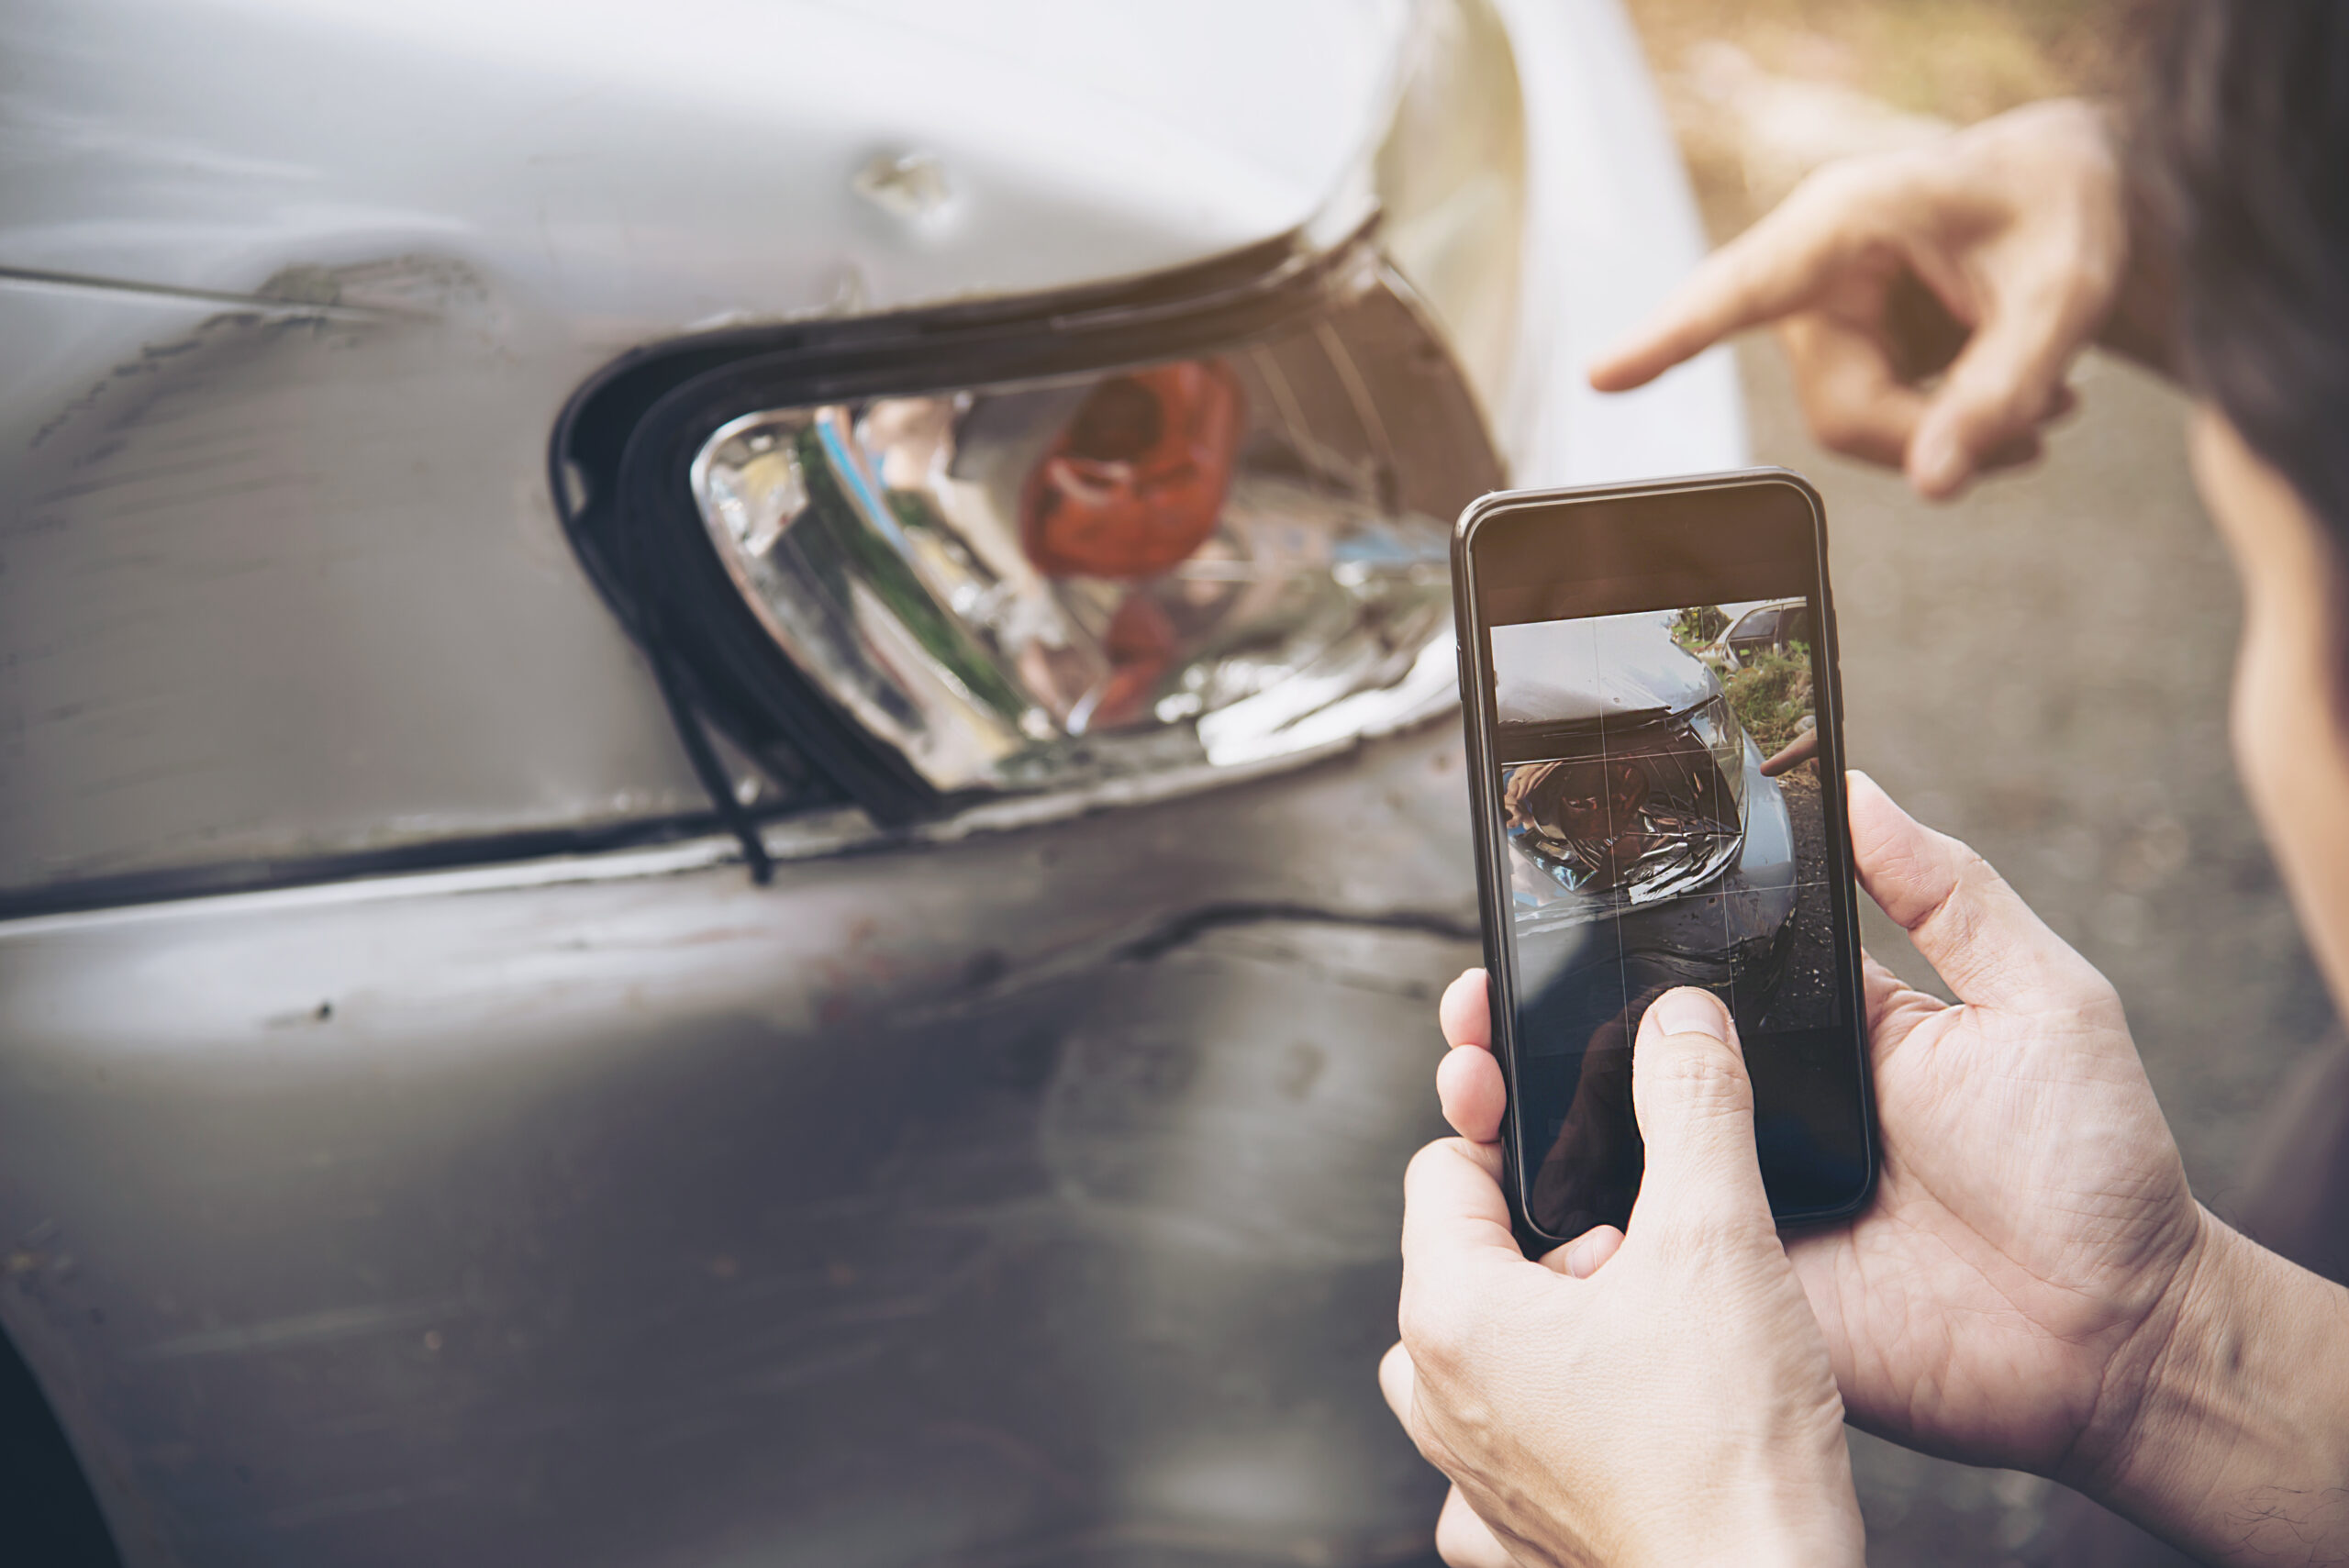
{"x": 1217, "y": 558}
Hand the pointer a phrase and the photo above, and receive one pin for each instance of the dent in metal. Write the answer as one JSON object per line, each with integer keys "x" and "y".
{"x": 993, "y": 1195}
{"x": 283, "y": 581}
{"x": 1030, "y": 1196}
{"x": 911, "y": 185}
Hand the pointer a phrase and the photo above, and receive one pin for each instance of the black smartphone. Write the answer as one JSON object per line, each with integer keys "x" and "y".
{"x": 1648, "y": 675}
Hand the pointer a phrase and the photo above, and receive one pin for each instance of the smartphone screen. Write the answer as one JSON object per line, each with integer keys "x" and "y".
{"x": 1662, "y": 760}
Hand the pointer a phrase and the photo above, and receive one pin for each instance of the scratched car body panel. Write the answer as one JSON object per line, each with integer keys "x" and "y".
{"x": 420, "y": 1141}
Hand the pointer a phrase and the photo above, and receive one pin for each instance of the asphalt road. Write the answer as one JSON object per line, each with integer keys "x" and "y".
{"x": 1804, "y": 997}
{"x": 2042, "y": 669}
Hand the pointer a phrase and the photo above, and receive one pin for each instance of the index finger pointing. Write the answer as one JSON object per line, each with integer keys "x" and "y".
{"x": 1773, "y": 269}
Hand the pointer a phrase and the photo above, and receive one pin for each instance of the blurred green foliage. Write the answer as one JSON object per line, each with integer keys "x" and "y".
{"x": 1963, "y": 60}
{"x": 1771, "y": 695}
{"x": 1695, "y": 627}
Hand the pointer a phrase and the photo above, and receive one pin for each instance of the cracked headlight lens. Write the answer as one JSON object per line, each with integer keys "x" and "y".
{"x": 1631, "y": 818}
{"x": 1222, "y": 559}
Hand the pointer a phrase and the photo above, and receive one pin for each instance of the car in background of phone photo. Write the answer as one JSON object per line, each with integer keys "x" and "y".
{"x": 729, "y": 788}
{"x": 1775, "y": 627}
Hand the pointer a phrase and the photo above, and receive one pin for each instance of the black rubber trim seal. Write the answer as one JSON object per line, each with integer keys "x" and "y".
{"x": 268, "y": 875}
{"x": 631, "y": 435}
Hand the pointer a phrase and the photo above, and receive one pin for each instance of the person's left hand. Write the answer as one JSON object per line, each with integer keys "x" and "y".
{"x": 1659, "y": 1394}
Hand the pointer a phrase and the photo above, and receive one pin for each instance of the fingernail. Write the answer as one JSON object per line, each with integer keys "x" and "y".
{"x": 1690, "y": 1011}
{"x": 1578, "y": 1258}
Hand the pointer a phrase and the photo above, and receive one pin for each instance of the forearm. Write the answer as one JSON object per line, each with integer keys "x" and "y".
{"x": 2237, "y": 1447}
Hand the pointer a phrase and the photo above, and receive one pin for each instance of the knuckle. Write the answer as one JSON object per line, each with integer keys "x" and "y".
{"x": 1861, "y": 194}
{"x": 1975, "y": 871}
{"x": 1840, "y": 187}
{"x": 1705, "y": 1075}
{"x": 1988, "y": 414}
{"x": 2009, "y": 404}
{"x": 1838, "y": 427}
{"x": 1430, "y": 1445}
{"x": 1986, "y": 399}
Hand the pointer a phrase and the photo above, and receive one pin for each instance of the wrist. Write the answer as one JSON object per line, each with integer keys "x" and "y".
{"x": 1784, "y": 1524}
{"x": 2230, "y": 1429}
{"x": 2150, "y": 1395}
{"x": 1826, "y": 1545}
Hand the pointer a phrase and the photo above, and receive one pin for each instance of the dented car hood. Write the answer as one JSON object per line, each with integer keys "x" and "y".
{"x": 631, "y": 169}
{"x": 1614, "y": 667}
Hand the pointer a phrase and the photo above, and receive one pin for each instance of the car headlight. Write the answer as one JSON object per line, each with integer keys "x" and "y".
{"x": 1715, "y": 725}
{"x": 1181, "y": 528}
{"x": 1625, "y": 819}
{"x": 1208, "y": 533}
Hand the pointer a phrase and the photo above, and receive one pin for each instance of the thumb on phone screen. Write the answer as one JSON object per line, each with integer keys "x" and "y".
{"x": 1695, "y": 1106}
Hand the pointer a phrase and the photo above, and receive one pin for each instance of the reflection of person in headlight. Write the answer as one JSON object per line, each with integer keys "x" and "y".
{"x": 1585, "y": 811}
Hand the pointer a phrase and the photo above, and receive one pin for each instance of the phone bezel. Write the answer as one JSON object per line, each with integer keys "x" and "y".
{"x": 1476, "y": 695}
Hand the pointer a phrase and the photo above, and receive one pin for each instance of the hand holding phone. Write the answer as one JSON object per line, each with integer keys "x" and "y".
{"x": 1675, "y": 1401}
{"x": 2032, "y": 1232}
{"x": 2032, "y": 1285}
{"x": 1649, "y": 682}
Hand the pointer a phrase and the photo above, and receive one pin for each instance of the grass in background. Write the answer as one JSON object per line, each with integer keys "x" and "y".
{"x": 1695, "y": 627}
{"x": 1877, "y": 73}
{"x": 1962, "y": 59}
{"x": 1771, "y": 696}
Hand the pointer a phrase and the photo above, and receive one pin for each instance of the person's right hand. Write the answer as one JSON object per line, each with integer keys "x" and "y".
{"x": 2017, "y": 228}
{"x": 1669, "y": 1402}
{"x": 2006, "y": 1297}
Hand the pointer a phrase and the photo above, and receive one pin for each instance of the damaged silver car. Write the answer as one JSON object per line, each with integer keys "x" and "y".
{"x": 1635, "y": 797}
{"x": 728, "y": 796}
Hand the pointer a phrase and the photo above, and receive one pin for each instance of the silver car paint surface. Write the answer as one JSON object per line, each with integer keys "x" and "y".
{"x": 1566, "y": 672}
{"x": 1026, "y": 1196}
{"x": 263, "y": 552}
{"x": 1035, "y": 1189}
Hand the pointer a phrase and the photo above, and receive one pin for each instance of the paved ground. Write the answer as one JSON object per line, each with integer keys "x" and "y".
{"x": 2042, "y": 669}
{"x": 1805, "y": 994}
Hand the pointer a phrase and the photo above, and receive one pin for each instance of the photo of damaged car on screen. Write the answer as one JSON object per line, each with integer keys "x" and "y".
{"x": 1664, "y": 828}
{"x": 1654, "y": 841}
